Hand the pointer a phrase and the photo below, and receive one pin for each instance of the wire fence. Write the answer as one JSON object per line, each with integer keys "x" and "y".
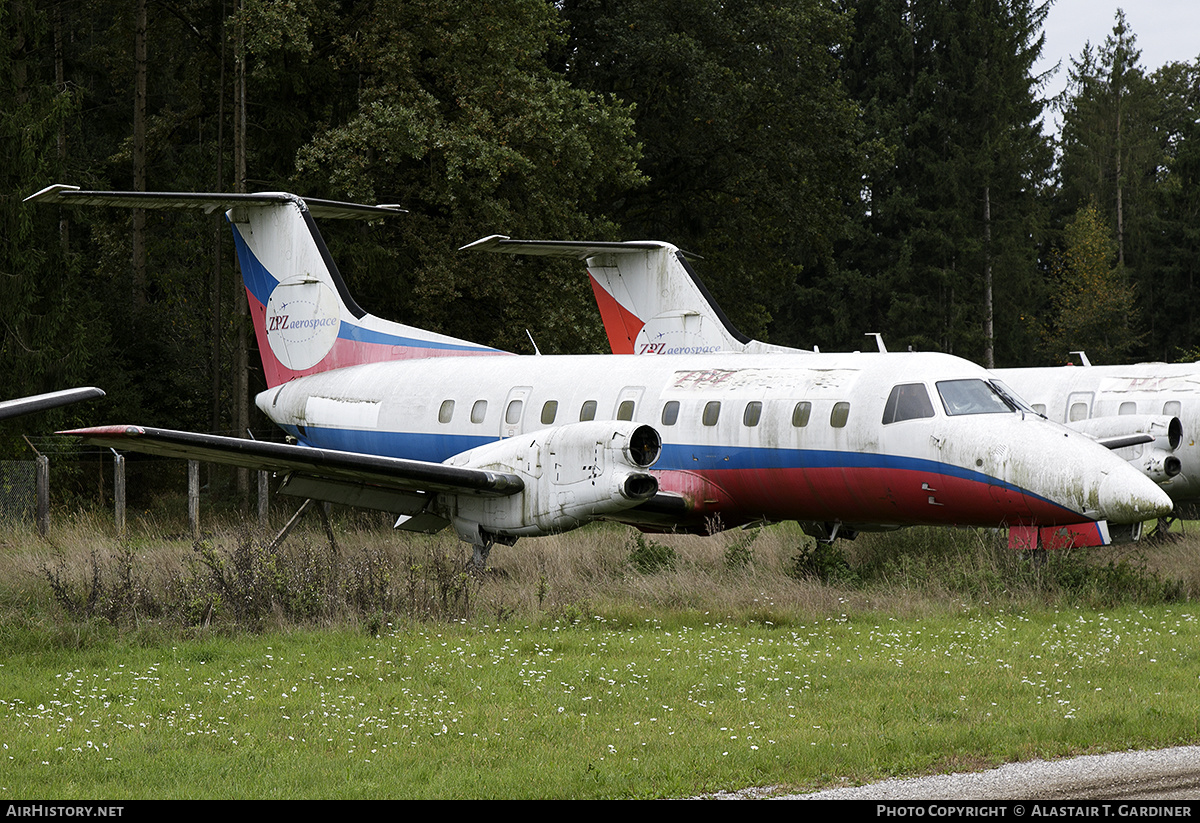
{"x": 18, "y": 490}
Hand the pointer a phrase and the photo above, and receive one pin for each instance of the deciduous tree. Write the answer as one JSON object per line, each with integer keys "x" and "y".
{"x": 1093, "y": 300}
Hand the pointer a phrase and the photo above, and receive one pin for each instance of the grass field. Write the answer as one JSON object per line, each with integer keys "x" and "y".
{"x": 596, "y": 664}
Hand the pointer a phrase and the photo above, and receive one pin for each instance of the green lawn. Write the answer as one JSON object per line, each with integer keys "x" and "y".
{"x": 598, "y": 708}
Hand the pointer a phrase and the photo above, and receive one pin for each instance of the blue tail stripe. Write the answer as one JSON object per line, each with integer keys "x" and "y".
{"x": 349, "y": 331}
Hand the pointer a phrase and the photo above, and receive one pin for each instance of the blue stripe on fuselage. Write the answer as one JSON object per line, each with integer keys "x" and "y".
{"x": 432, "y": 448}
{"x": 437, "y": 448}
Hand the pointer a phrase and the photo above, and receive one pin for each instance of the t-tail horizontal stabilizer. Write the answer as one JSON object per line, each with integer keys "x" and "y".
{"x": 305, "y": 319}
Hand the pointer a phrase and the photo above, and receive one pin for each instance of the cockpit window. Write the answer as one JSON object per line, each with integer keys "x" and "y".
{"x": 908, "y": 401}
{"x": 973, "y": 397}
{"x": 1013, "y": 398}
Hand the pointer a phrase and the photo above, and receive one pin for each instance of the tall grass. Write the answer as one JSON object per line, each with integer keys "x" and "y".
{"x": 232, "y": 579}
{"x": 601, "y": 663}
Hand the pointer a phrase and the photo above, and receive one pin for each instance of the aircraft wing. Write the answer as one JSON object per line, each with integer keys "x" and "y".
{"x": 1115, "y": 443}
{"x": 386, "y": 483}
{"x": 41, "y": 402}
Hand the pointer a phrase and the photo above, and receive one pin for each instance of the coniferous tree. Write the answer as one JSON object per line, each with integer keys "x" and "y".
{"x": 1170, "y": 263}
{"x": 948, "y": 88}
{"x": 750, "y": 146}
{"x": 46, "y": 341}
{"x": 1110, "y": 149}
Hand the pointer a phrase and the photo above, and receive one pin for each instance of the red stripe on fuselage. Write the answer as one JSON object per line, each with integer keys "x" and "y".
{"x": 885, "y": 496}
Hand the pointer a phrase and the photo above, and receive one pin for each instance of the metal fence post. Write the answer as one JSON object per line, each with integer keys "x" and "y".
{"x": 119, "y": 491}
{"x": 263, "y": 499}
{"x": 43, "y": 494}
{"x": 194, "y": 498}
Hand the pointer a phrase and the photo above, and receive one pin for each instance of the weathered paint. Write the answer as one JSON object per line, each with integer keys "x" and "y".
{"x": 1141, "y": 389}
{"x": 970, "y": 470}
{"x": 377, "y": 389}
{"x": 300, "y": 319}
{"x": 647, "y": 293}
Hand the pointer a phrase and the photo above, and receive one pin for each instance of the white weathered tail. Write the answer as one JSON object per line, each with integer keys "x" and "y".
{"x": 305, "y": 319}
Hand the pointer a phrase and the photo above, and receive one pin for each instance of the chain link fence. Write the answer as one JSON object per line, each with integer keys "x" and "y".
{"x": 18, "y": 490}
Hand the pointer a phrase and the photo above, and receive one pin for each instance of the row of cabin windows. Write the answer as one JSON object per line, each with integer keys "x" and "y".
{"x": 907, "y": 401}
{"x": 1081, "y": 411}
{"x": 512, "y": 414}
{"x": 751, "y": 413}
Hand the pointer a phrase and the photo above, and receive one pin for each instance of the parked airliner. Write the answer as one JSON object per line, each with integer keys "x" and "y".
{"x": 652, "y": 302}
{"x": 444, "y": 432}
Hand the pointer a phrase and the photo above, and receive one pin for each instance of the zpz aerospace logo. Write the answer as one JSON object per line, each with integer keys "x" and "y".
{"x": 302, "y": 322}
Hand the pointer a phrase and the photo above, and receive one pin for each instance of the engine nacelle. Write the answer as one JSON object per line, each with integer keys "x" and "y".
{"x": 1160, "y": 466}
{"x": 1166, "y": 430}
{"x": 1155, "y": 460}
{"x": 573, "y": 474}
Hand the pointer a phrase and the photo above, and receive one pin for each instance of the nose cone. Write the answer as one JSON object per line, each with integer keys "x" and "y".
{"x": 1131, "y": 497}
{"x": 1065, "y": 476}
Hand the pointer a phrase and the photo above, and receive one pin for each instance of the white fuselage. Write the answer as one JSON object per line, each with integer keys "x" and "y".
{"x": 744, "y": 437}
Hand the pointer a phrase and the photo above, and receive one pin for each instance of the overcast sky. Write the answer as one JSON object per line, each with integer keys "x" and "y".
{"x": 1166, "y": 30}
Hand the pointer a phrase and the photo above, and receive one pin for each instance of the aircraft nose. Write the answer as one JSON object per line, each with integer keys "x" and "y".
{"x": 1131, "y": 497}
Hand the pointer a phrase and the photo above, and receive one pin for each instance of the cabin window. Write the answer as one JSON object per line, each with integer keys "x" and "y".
{"x": 839, "y": 415}
{"x": 587, "y": 411}
{"x": 752, "y": 414}
{"x": 478, "y": 411}
{"x": 1128, "y": 408}
{"x": 1079, "y": 411}
{"x": 908, "y": 401}
{"x": 625, "y": 410}
{"x": 1171, "y": 408}
{"x": 512, "y": 414}
{"x": 801, "y": 413}
{"x": 971, "y": 397}
{"x": 712, "y": 411}
{"x": 549, "y": 412}
{"x": 670, "y": 413}
{"x": 446, "y": 412}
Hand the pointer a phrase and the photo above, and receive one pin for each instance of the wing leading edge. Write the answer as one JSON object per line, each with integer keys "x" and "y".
{"x": 403, "y": 487}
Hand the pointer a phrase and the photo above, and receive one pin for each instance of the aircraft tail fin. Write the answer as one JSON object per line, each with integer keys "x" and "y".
{"x": 650, "y": 299}
{"x": 305, "y": 318}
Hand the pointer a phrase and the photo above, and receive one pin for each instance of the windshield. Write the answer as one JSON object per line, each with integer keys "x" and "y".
{"x": 1012, "y": 397}
{"x": 972, "y": 397}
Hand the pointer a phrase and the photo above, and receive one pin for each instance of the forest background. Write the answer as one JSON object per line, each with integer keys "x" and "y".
{"x": 842, "y": 167}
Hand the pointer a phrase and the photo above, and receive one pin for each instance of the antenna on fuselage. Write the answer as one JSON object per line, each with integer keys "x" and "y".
{"x": 1083, "y": 358}
{"x": 878, "y": 341}
{"x": 536, "y": 350}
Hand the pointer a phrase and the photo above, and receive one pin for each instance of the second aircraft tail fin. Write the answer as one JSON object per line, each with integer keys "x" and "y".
{"x": 650, "y": 299}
